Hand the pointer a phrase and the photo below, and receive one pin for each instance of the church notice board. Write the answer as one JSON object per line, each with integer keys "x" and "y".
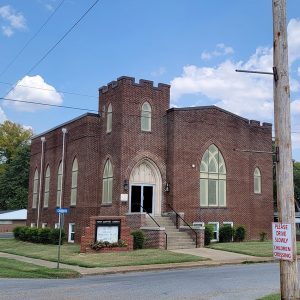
{"x": 282, "y": 241}
{"x": 108, "y": 231}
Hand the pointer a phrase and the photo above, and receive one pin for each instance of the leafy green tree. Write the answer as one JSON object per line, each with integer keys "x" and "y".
{"x": 14, "y": 180}
{"x": 12, "y": 135}
{"x": 297, "y": 182}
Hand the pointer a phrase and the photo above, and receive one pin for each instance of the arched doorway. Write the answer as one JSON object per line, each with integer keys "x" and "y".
{"x": 145, "y": 188}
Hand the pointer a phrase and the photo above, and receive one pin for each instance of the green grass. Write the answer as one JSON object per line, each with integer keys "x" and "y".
{"x": 261, "y": 249}
{"x": 271, "y": 297}
{"x": 70, "y": 255}
{"x": 10, "y": 268}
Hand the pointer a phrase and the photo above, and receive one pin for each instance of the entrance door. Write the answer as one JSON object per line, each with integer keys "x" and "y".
{"x": 142, "y": 197}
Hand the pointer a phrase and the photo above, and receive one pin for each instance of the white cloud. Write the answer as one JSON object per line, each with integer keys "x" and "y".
{"x": 41, "y": 92}
{"x": 249, "y": 95}
{"x": 11, "y": 20}
{"x": 2, "y": 116}
{"x": 296, "y": 140}
{"x": 293, "y": 30}
{"x": 221, "y": 50}
{"x": 295, "y": 107}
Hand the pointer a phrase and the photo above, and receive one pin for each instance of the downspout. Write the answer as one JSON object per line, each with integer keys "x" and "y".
{"x": 43, "y": 139}
{"x": 64, "y": 131}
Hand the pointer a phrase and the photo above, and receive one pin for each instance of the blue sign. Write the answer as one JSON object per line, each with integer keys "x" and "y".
{"x": 62, "y": 210}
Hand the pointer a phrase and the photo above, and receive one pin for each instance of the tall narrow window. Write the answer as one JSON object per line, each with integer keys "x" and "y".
{"x": 35, "y": 188}
{"x": 257, "y": 181}
{"x": 74, "y": 182}
{"x": 59, "y": 185}
{"x": 146, "y": 117}
{"x": 212, "y": 178}
{"x": 109, "y": 119}
{"x": 107, "y": 183}
{"x": 47, "y": 187}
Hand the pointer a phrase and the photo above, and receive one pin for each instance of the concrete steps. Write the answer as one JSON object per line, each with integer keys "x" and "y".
{"x": 176, "y": 239}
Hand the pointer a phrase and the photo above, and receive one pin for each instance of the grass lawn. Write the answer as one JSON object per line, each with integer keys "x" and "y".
{"x": 262, "y": 249}
{"x": 70, "y": 255}
{"x": 10, "y": 268}
{"x": 271, "y": 297}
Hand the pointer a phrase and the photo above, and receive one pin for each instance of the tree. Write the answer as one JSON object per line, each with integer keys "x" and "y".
{"x": 12, "y": 135}
{"x": 297, "y": 183}
{"x": 14, "y": 165}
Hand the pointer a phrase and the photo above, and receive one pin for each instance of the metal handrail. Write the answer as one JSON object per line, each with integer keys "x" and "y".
{"x": 166, "y": 246}
{"x": 178, "y": 215}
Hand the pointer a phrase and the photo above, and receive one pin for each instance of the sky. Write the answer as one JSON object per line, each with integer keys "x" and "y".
{"x": 193, "y": 45}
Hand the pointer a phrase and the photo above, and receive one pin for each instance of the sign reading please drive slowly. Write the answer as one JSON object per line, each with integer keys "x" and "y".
{"x": 282, "y": 241}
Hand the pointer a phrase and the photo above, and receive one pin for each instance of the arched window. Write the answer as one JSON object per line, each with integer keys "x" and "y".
{"x": 257, "y": 181}
{"x": 35, "y": 188}
{"x": 59, "y": 185}
{"x": 212, "y": 178}
{"x": 146, "y": 117}
{"x": 74, "y": 182}
{"x": 107, "y": 183}
{"x": 109, "y": 118}
{"x": 47, "y": 187}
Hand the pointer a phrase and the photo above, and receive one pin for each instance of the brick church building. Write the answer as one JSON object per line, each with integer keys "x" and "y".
{"x": 138, "y": 154}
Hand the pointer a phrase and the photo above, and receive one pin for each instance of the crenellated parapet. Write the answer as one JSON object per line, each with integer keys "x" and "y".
{"x": 130, "y": 81}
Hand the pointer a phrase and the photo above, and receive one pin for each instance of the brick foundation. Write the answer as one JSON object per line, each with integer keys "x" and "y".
{"x": 154, "y": 238}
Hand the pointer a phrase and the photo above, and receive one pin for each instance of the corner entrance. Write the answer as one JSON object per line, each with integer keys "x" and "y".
{"x": 142, "y": 198}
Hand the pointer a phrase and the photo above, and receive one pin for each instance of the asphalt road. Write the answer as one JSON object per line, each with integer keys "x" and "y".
{"x": 240, "y": 282}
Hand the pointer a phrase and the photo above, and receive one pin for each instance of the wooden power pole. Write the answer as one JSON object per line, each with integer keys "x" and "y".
{"x": 284, "y": 169}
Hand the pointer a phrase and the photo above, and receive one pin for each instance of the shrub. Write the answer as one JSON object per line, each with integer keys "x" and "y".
{"x": 44, "y": 235}
{"x": 104, "y": 244}
{"x": 17, "y": 232}
{"x": 208, "y": 234}
{"x": 262, "y": 236}
{"x": 138, "y": 239}
{"x": 33, "y": 235}
{"x": 54, "y": 236}
{"x": 239, "y": 233}
{"x": 225, "y": 234}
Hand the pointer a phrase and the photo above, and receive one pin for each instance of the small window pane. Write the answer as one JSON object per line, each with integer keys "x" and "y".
{"x": 146, "y": 117}
{"x": 109, "y": 119}
{"x": 35, "y": 189}
{"x": 212, "y": 192}
{"x": 204, "y": 192}
{"x": 222, "y": 193}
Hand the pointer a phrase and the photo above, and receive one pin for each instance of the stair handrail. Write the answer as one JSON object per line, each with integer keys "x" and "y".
{"x": 178, "y": 215}
{"x": 166, "y": 244}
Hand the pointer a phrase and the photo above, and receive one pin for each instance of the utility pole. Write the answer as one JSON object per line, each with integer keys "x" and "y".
{"x": 284, "y": 167}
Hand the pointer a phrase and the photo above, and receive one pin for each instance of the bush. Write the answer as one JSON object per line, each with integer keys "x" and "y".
{"x": 38, "y": 235}
{"x": 138, "y": 239}
{"x": 262, "y": 236}
{"x": 104, "y": 244}
{"x": 208, "y": 234}
{"x": 226, "y": 234}
{"x": 239, "y": 234}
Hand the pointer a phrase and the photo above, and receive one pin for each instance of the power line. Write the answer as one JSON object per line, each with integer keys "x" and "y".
{"x": 32, "y": 38}
{"x": 38, "y": 88}
{"x": 62, "y": 38}
{"x": 46, "y": 104}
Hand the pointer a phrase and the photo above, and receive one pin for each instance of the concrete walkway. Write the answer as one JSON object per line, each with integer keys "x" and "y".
{"x": 214, "y": 258}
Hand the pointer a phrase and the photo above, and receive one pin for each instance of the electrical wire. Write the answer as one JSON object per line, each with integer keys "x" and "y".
{"x": 31, "y": 39}
{"x": 46, "y": 104}
{"x": 38, "y": 88}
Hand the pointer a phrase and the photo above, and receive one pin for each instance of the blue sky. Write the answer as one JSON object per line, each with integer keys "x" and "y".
{"x": 193, "y": 45}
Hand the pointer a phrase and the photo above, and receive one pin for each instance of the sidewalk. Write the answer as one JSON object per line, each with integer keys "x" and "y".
{"x": 214, "y": 258}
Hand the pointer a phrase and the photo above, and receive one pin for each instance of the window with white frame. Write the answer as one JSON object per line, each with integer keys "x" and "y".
{"x": 32, "y": 225}
{"x": 215, "y": 226}
{"x": 146, "y": 117}
{"x": 44, "y": 225}
{"x": 56, "y": 225}
{"x": 71, "y": 235}
{"x": 74, "y": 182}
{"x": 257, "y": 181}
{"x": 228, "y": 224}
{"x": 107, "y": 183}
{"x": 59, "y": 185}
{"x": 47, "y": 187}
{"x": 109, "y": 119}
{"x": 198, "y": 224}
{"x": 35, "y": 188}
{"x": 213, "y": 178}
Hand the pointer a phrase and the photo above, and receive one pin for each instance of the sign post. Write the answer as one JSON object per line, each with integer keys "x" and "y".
{"x": 61, "y": 212}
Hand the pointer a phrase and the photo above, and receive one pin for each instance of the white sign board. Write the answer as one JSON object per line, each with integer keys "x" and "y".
{"x": 108, "y": 234}
{"x": 282, "y": 241}
{"x": 124, "y": 197}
